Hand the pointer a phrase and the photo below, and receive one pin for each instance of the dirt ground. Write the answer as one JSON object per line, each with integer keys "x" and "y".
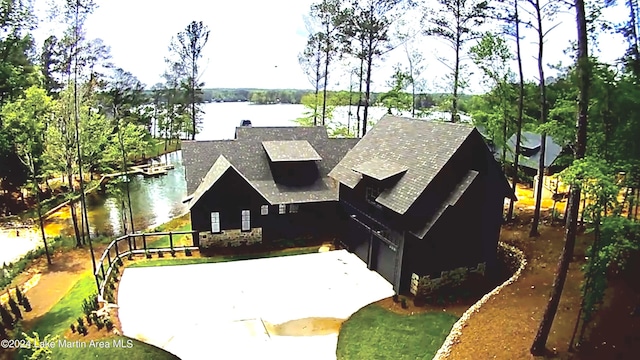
{"x": 505, "y": 326}
{"x": 305, "y": 327}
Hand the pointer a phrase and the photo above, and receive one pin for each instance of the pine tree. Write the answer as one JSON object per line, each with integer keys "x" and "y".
{"x": 7, "y": 319}
{"x": 3, "y": 332}
{"x": 26, "y": 304}
{"x": 19, "y": 295}
{"x": 14, "y": 308}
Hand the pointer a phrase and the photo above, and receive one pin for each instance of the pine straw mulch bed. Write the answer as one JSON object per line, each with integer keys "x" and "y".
{"x": 505, "y": 326}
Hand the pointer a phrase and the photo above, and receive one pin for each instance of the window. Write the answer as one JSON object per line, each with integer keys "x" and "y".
{"x": 264, "y": 210}
{"x": 246, "y": 220}
{"x": 215, "y": 222}
{"x": 372, "y": 194}
{"x": 293, "y": 208}
{"x": 282, "y": 209}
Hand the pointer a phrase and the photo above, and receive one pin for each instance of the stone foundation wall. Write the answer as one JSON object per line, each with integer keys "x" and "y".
{"x": 230, "y": 238}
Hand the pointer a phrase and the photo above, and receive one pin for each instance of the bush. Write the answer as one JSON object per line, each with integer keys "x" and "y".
{"x": 80, "y": 322}
{"x": 73, "y": 328}
{"x": 160, "y": 254}
{"x": 82, "y": 329}
{"x": 99, "y": 324}
{"x": 14, "y": 308}
{"x": 7, "y": 319}
{"x": 130, "y": 256}
{"x": 148, "y": 254}
{"x": 403, "y": 303}
{"x": 119, "y": 261}
{"x": 90, "y": 304}
{"x": 395, "y": 298}
{"x": 173, "y": 253}
{"x": 108, "y": 324}
{"x": 26, "y": 304}
{"x": 89, "y": 320}
{"x": 187, "y": 252}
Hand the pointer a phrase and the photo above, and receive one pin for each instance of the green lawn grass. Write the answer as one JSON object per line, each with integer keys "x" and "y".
{"x": 163, "y": 241}
{"x": 376, "y": 333}
{"x": 169, "y": 261}
{"x": 67, "y": 310}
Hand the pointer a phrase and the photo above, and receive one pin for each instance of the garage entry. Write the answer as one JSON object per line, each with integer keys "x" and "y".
{"x": 374, "y": 248}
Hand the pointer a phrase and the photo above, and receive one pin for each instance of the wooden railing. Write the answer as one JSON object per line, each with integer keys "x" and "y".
{"x": 134, "y": 244}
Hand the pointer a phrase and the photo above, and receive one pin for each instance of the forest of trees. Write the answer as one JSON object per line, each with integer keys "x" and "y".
{"x": 68, "y": 112}
{"x": 590, "y": 107}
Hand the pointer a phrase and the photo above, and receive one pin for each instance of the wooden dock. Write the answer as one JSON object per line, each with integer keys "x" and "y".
{"x": 151, "y": 170}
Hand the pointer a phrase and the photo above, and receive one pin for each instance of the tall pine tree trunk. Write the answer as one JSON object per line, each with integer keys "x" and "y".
{"x": 126, "y": 173}
{"x": 36, "y": 188}
{"x": 317, "y": 87}
{"x": 583, "y": 67}
{"x": 456, "y": 81}
{"x": 72, "y": 208}
{"x": 367, "y": 94}
{"x": 543, "y": 119}
{"x": 76, "y": 106}
{"x": 326, "y": 76}
{"x": 360, "y": 78}
{"x": 516, "y": 156}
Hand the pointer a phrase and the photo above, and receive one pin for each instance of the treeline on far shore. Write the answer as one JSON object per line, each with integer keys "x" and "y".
{"x": 294, "y": 96}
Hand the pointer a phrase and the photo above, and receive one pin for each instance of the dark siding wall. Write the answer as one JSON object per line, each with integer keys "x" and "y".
{"x": 318, "y": 220}
{"x": 467, "y": 233}
{"x": 229, "y": 196}
{"x": 357, "y": 198}
{"x": 492, "y": 214}
{"x": 454, "y": 241}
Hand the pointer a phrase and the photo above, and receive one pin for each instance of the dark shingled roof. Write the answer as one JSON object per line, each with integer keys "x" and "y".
{"x": 380, "y": 169}
{"x": 247, "y": 156}
{"x": 451, "y": 200}
{"x": 530, "y": 150}
{"x": 290, "y": 150}
{"x": 424, "y": 147}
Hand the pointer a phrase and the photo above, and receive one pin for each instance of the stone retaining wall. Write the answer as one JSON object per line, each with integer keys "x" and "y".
{"x": 456, "y": 330}
{"x": 230, "y": 238}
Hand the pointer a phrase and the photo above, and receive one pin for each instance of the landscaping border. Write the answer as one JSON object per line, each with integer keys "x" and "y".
{"x": 456, "y": 331}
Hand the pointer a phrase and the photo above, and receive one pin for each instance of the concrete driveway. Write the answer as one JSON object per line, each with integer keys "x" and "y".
{"x": 238, "y": 310}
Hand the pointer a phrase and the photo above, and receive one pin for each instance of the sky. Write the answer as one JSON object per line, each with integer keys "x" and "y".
{"x": 255, "y": 43}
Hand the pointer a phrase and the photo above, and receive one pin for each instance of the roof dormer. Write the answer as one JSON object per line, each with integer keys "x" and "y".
{"x": 292, "y": 162}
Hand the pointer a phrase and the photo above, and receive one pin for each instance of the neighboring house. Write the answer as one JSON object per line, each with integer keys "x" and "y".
{"x": 530, "y": 150}
{"x": 269, "y": 178}
{"x": 422, "y": 197}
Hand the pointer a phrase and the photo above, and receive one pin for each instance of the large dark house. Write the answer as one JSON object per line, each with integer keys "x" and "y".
{"x": 421, "y": 197}
{"x": 415, "y": 197}
{"x": 269, "y": 182}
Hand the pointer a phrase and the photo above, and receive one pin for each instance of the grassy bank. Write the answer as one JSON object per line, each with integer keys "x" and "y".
{"x": 377, "y": 333}
{"x": 67, "y": 310}
{"x": 222, "y": 258}
{"x": 9, "y": 272}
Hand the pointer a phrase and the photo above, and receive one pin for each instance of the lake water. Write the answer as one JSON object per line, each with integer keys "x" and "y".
{"x": 221, "y": 119}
